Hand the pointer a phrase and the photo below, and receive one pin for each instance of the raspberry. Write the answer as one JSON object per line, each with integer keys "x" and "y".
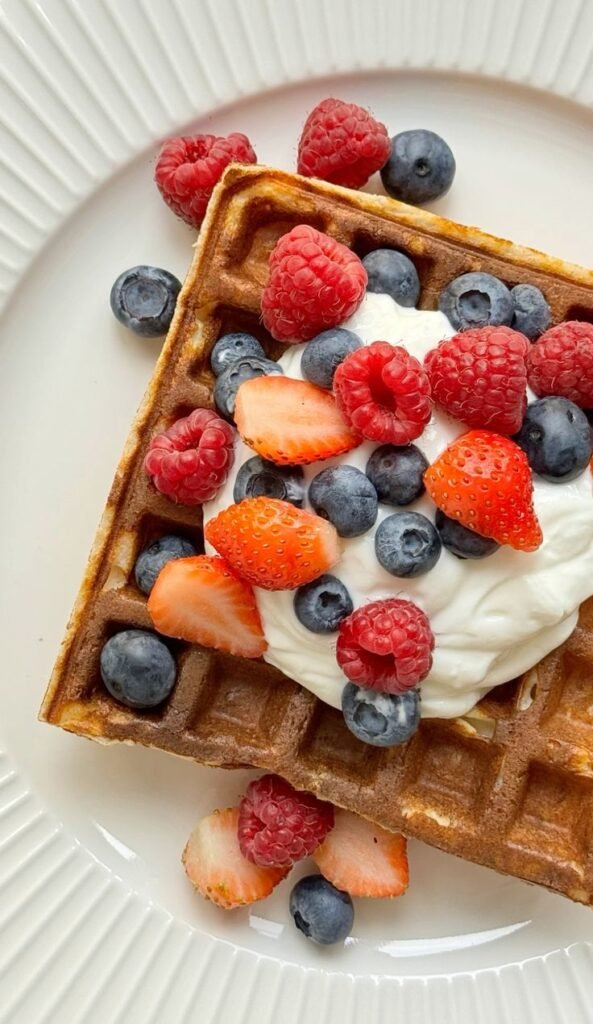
{"x": 191, "y": 460}
{"x": 342, "y": 143}
{"x": 188, "y": 168}
{"x": 480, "y": 377}
{"x": 561, "y": 363}
{"x": 386, "y": 645}
{"x": 383, "y": 392}
{"x": 278, "y": 825}
{"x": 315, "y": 283}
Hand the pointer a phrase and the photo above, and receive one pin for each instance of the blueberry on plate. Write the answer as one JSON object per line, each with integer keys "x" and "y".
{"x": 392, "y": 273}
{"x": 320, "y": 911}
{"x": 151, "y": 560}
{"x": 407, "y": 544}
{"x": 462, "y": 542}
{"x": 324, "y": 353}
{"x": 476, "y": 300}
{"x": 258, "y": 478}
{"x": 556, "y": 437}
{"x": 346, "y": 497}
{"x": 381, "y": 719}
{"x": 397, "y": 473}
{"x": 321, "y": 605}
{"x": 230, "y": 380}
{"x": 421, "y": 167}
{"x": 143, "y": 298}
{"x": 531, "y": 313}
{"x": 137, "y": 668}
{"x": 232, "y": 347}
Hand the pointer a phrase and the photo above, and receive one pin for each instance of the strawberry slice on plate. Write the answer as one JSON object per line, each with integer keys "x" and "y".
{"x": 362, "y": 858}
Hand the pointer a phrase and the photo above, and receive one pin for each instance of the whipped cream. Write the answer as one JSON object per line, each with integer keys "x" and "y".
{"x": 492, "y": 619}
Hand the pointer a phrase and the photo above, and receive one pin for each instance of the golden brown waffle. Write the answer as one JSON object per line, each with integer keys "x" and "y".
{"x": 512, "y": 787}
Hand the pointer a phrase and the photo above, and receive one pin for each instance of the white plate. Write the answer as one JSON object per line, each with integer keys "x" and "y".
{"x": 97, "y": 922}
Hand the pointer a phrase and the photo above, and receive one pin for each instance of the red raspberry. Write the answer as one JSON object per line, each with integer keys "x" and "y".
{"x": 383, "y": 392}
{"x": 315, "y": 283}
{"x": 278, "y": 825}
{"x": 342, "y": 143}
{"x": 386, "y": 646}
{"x": 561, "y": 363}
{"x": 480, "y": 377}
{"x": 190, "y": 166}
{"x": 191, "y": 460}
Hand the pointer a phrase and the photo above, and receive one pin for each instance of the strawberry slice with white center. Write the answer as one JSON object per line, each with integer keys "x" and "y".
{"x": 362, "y": 858}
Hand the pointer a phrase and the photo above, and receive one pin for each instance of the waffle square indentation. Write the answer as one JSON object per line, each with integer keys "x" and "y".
{"x": 555, "y": 815}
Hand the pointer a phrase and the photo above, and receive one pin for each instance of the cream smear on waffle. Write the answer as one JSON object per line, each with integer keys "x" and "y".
{"x": 492, "y": 619}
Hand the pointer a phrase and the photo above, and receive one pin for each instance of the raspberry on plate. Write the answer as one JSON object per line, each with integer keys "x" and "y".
{"x": 279, "y": 825}
{"x": 191, "y": 460}
{"x": 384, "y": 393}
{"x": 561, "y": 363}
{"x": 342, "y": 143}
{"x": 386, "y": 645}
{"x": 314, "y": 283}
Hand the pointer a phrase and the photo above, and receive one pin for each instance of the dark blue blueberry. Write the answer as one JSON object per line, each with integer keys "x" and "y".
{"x": 531, "y": 313}
{"x": 137, "y": 668}
{"x": 476, "y": 300}
{"x": 381, "y": 719}
{"x": 232, "y": 347}
{"x": 462, "y": 542}
{"x": 392, "y": 273}
{"x": 150, "y": 561}
{"x": 322, "y": 604}
{"x": 421, "y": 167}
{"x": 324, "y": 353}
{"x": 258, "y": 478}
{"x": 407, "y": 544}
{"x": 143, "y": 299}
{"x": 230, "y": 380}
{"x": 346, "y": 497}
{"x": 320, "y": 911}
{"x": 397, "y": 473}
{"x": 556, "y": 437}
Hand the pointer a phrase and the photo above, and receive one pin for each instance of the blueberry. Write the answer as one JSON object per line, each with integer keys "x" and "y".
{"x": 232, "y": 347}
{"x": 321, "y": 605}
{"x": 397, "y": 473}
{"x": 421, "y": 167}
{"x": 143, "y": 299}
{"x": 151, "y": 560}
{"x": 462, "y": 542}
{"x": 258, "y": 478}
{"x": 320, "y": 911}
{"x": 476, "y": 300}
{"x": 392, "y": 273}
{"x": 531, "y": 313}
{"x": 324, "y": 353}
{"x": 557, "y": 439}
{"x": 230, "y": 380}
{"x": 137, "y": 668}
{"x": 381, "y": 719}
{"x": 346, "y": 497}
{"x": 407, "y": 544}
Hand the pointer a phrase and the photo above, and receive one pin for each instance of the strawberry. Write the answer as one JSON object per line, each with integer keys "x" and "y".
{"x": 290, "y": 421}
{"x": 484, "y": 481}
{"x": 202, "y": 600}
{"x": 273, "y": 544}
{"x": 216, "y": 867}
{"x": 363, "y": 859}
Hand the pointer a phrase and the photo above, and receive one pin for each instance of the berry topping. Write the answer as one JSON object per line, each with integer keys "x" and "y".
{"x": 260, "y": 479}
{"x": 407, "y": 544}
{"x": 557, "y": 439}
{"x": 216, "y": 867}
{"x": 291, "y": 422}
{"x": 384, "y": 393}
{"x": 230, "y": 380}
{"x": 137, "y": 668}
{"x": 392, "y": 273}
{"x": 483, "y": 480}
{"x": 189, "y": 167}
{"x": 323, "y": 355}
{"x": 273, "y": 544}
{"x": 279, "y": 825}
{"x": 143, "y": 299}
{"x": 480, "y": 377}
{"x": 476, "y": 300}
{"x": 346, "y": 497}
{"x": 314, "y": 283}
{"x": 342, "y": 143}
{"x": 381, "y": 719}
{"x": 151, "y": 560}
{"x": 531, "y": 313}
{"x": 386, "y": 646}
{"x": 561, "y": 363}
{"x": 321, "y": 605}
{"x": 232, "y": 347}
{"x": 320, "y": 911}
{"x": 460, "y": 541}
{"x": 203, "y": 601}
{"x": 191, "y": 460}
{"x": 421, "y": 167}
{"x": 397, "y": 474}
{"x": 363, "y": 859}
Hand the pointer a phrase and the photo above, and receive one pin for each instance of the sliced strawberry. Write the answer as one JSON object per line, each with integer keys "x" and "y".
{"x": 363, "y": 859}
{"x": 202, "y": 600}
{"x": 291, "y": 422}
{"x": 216, "y": 867}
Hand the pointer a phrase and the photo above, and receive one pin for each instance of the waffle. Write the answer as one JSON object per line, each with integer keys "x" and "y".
{"x": 511, "y": 785}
